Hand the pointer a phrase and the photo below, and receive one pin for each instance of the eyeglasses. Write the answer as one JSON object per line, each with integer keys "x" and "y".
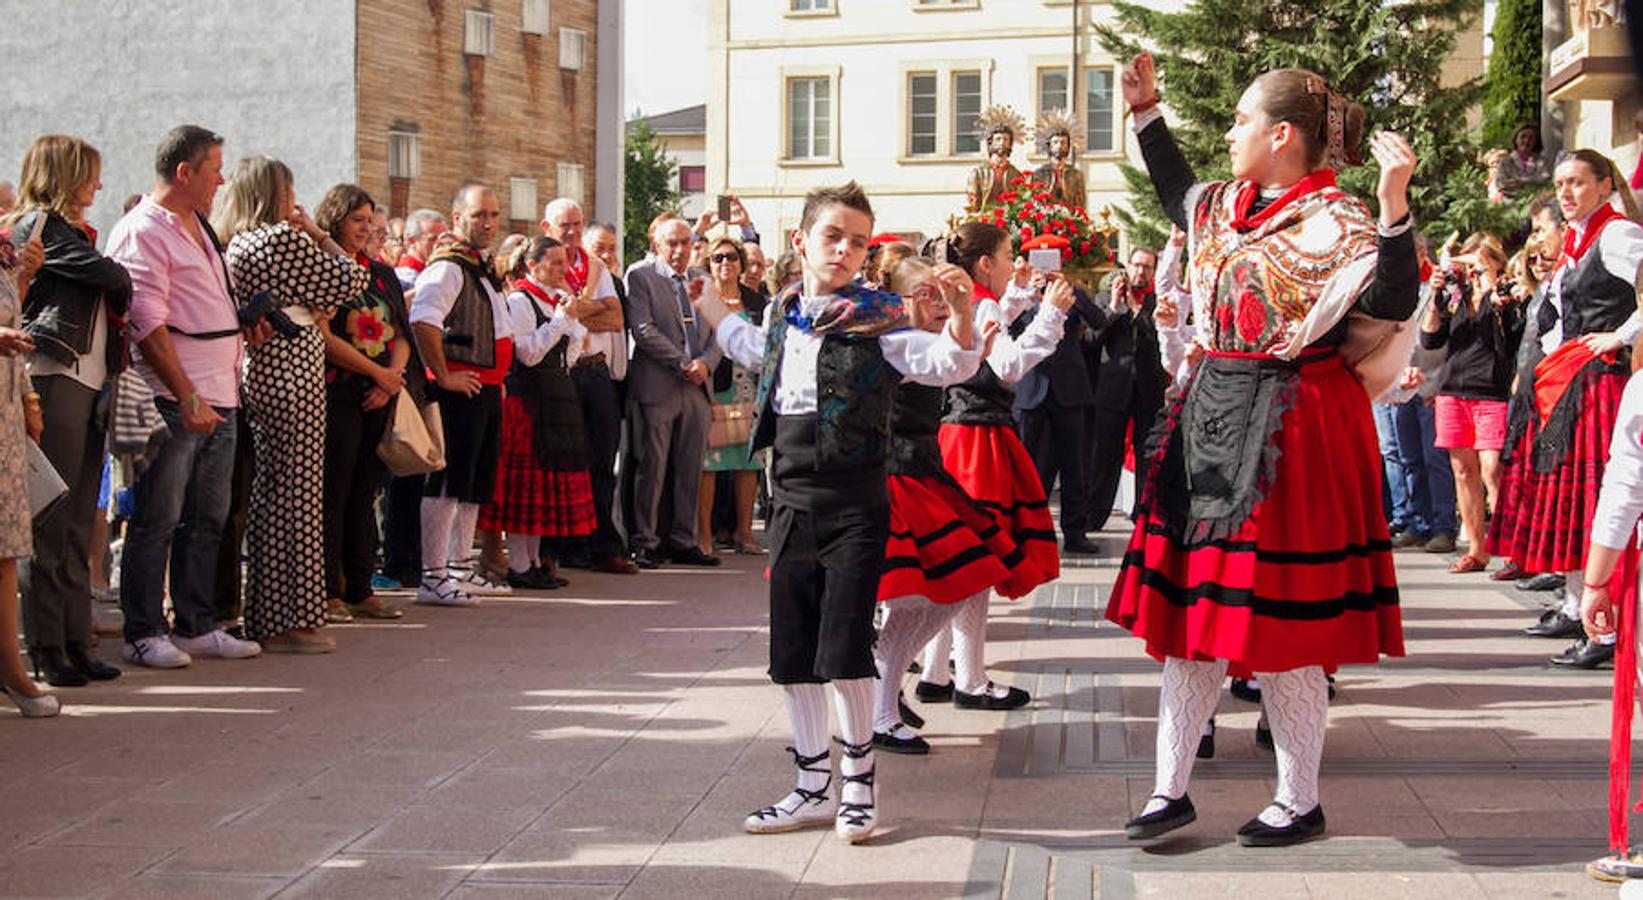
{"x": 722, "y": 258}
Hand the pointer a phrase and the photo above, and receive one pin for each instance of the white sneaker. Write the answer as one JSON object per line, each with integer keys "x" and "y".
{"x": 155, "y": 653}
{"x": 443, "y": 591}
{"x": 479, "y": 582}
{"x": 218, "y": 643}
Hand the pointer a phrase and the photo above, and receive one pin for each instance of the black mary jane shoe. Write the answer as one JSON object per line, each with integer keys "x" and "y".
{"x": 930, "y": 692}
{"x": 1014, "y": 698}
{"x": 1242, "y": 690}
{"x": 549, "y": 576}
{"x": 52, "y": 667}
{"x": 1176, "y": 813}
{"x": 1257, "y": 833}
{"x": 1263, "y": 737}
{"x": 90, "y": 666}
{"x": 908, "y": 717}
{"x": 1206, "y": 743}
{"x": 890, "y": 742}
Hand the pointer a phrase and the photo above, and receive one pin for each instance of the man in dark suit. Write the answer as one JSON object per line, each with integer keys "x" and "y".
{"x": 1122, "y": 355}
{"x": 1052, "y": 402}
{"x": 672, "y": 359}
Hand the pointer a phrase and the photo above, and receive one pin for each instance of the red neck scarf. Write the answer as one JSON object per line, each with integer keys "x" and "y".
{"x": 983, "y": 292}
{"x": 407, "y": 261}
{"x": 576, "y": 269}
{"x": 1249, "y": 191}
{"x": 537, "y": 291}
{"x": 1576, "y": 243}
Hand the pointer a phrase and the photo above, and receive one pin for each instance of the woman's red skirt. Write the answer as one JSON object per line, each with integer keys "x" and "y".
{"x": 1307, "y": 580}
{"x": 992, "y": 467}
{"x": 530, "y": 499}
{"x": 941, "y": 546}
{"x": 1543, "y": 520}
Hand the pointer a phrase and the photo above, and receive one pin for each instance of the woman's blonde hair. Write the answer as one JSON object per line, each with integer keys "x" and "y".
{"x": 905, "y": 271}
{"x": 257, "y": 194}
{"x": 55, "y": 169}
{"x": 1484, "y": 243}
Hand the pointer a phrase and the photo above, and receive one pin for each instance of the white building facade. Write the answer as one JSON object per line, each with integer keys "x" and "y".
{"x": 805, "y": 93}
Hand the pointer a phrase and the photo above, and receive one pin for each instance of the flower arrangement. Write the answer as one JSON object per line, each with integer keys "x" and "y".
{"x": 1036, "y": 220}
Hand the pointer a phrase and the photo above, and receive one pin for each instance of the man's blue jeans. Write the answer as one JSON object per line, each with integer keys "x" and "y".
{"x": 182, "y": 502}
{"x": 1430, "y": 483}
{"x": 1395, "y": 484}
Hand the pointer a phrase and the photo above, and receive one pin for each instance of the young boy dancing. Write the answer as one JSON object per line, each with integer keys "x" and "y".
{"x": 830, "y": 354}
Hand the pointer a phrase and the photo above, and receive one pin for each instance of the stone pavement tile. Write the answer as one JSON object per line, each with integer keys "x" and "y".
{"x": 148, "y": 823}
{"x": 1574, "y": 884}
{"x": 1388, "y": 797}
{"x": 1346, "y": 820}
{"x": 1095, "y": 804}
{"x": 665, "y": 881}
{"x": 492, "y": 787}
{"x": 358, "y": 808}
{"x": 388, "y": 877}
{"x": 590, "y": 836}
{"x": 923, "y": 863}
{"x": 476, "y": 890}
{"x": 231, "y": 782}
{"x": 71, "y": 871}
{"x": 438, "y": 827}
{"x": 281, "y": 850}
{"x": 1224, "y": 885}
{"x": 407, "y": 772}
{"x": 716, "y": 820}
{"x": 1405, "y": 886}
{"x": 193, "y": 887}
{"x": 48, "y": 803}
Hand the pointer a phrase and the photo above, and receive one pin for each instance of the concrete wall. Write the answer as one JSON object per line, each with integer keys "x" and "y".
{"x": 274, "y": 78}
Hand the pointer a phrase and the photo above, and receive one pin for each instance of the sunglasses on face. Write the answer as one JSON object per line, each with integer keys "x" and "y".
{"x": 721, "y": 258}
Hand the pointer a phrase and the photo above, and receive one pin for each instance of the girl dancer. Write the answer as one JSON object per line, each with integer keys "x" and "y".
{"x": 1260, "y": 538}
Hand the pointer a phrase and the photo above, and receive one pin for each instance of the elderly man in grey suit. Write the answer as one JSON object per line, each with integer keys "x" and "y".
{"x": 672, "y": 359}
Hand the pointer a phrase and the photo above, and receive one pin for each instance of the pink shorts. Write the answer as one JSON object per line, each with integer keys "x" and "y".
{"x": 1470, "y": 424}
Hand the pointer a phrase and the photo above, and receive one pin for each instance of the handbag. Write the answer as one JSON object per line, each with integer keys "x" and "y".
{"x": 414, "y": 441}
{"x": 45, "y": 485}
{"x": 137, "y": 427}
{"x": 732, "y": 425}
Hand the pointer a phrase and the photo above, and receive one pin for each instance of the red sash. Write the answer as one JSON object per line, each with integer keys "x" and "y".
{"x": 537, "y": 291}
{"x": 1557, "y": 371}
{"x": 1572, "y": 250}
{"x": 407, "y": 261}
{"x": 1249, "y": 191}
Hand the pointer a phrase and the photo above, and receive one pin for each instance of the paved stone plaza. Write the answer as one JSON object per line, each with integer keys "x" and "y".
{"x": 605, "y": 740}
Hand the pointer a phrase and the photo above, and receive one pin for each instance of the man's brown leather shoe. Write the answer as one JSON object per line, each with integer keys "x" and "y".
{"x": 616, "y": 565}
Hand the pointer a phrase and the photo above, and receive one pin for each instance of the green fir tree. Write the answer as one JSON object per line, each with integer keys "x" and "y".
{"x": 1387, "y": 56}
{"x": 648, "y": 189}
{"x": 1512, "y": 94}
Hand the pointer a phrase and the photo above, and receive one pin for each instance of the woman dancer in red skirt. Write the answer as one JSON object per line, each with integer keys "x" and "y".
{"x": 1260, "y": 540}
{"x": 980, "y": 450}
{"x": 1549, "y": 490}
{"x": 542, "y": 483}
{"x": 945, "y": 553}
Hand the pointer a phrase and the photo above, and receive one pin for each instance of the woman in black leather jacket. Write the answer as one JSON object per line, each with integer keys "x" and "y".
{"x": 75, "y": 309}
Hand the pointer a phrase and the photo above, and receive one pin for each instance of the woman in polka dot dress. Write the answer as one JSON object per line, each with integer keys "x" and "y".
{"x": 274, "y": 246}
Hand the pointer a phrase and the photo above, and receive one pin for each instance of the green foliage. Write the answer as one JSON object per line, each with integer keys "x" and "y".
{"x": 648, "y": 191}
{"x": 1387, "y": 56}
{"x": 1512, "y": 95}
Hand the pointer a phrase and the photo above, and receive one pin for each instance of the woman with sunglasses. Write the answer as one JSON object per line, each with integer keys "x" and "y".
{"x": 734, "y": 388}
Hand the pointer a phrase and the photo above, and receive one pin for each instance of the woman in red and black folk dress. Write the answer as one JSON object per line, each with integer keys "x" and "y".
{"x": 542, "y": 483}
{"x": 1260, "y": 541}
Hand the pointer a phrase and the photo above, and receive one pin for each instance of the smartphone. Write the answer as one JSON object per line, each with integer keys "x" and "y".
{"x": 1044, "y": 259}
{"x": 724, "y": 207}
{"x": 39, "y": 229}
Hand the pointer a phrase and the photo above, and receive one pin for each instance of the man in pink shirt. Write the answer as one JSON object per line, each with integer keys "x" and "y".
{"x": 189, "y": 349}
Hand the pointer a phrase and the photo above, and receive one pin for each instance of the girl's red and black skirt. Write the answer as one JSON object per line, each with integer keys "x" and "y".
{"x": 1307, "y": 578}
{"x": 529, "y": 498}
{"x": 994, "y": 469}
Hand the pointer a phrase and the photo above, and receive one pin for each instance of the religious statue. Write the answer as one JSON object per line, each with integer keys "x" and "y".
{"x": 1000, "y": 127}
{"x": 1057, "y": 135}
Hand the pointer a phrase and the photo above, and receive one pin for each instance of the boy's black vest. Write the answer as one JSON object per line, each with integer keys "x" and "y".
{"x": 834, "y": 457}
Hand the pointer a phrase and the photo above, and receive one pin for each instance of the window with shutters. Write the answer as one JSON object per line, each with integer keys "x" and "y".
{"x": 534, "y": 17}
{"x": 479, "y": 33}
{"x": 573, "y": 48}
{"x": 404, "y": 154}
{"x": 921, "y": 114}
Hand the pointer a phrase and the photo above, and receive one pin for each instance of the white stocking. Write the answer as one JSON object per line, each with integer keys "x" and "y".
{"x": 970, "y": 644}
{"x": 1188, "y": 698}
{"x": 438, "y": 514}
{"x": 1297, "y": 705}
{"x": 936, "y": 655}
{"x": 854, "y": 700}
{"x": 912, "y": 622}
{"x": 462, "y": 533}
{"x": 807, "y": 712}
{"x": 522, "y": 552}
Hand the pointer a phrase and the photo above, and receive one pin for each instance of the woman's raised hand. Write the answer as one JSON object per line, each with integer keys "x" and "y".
{"x": 1139, "y": 81}
{"x": 1397, "y": 162}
